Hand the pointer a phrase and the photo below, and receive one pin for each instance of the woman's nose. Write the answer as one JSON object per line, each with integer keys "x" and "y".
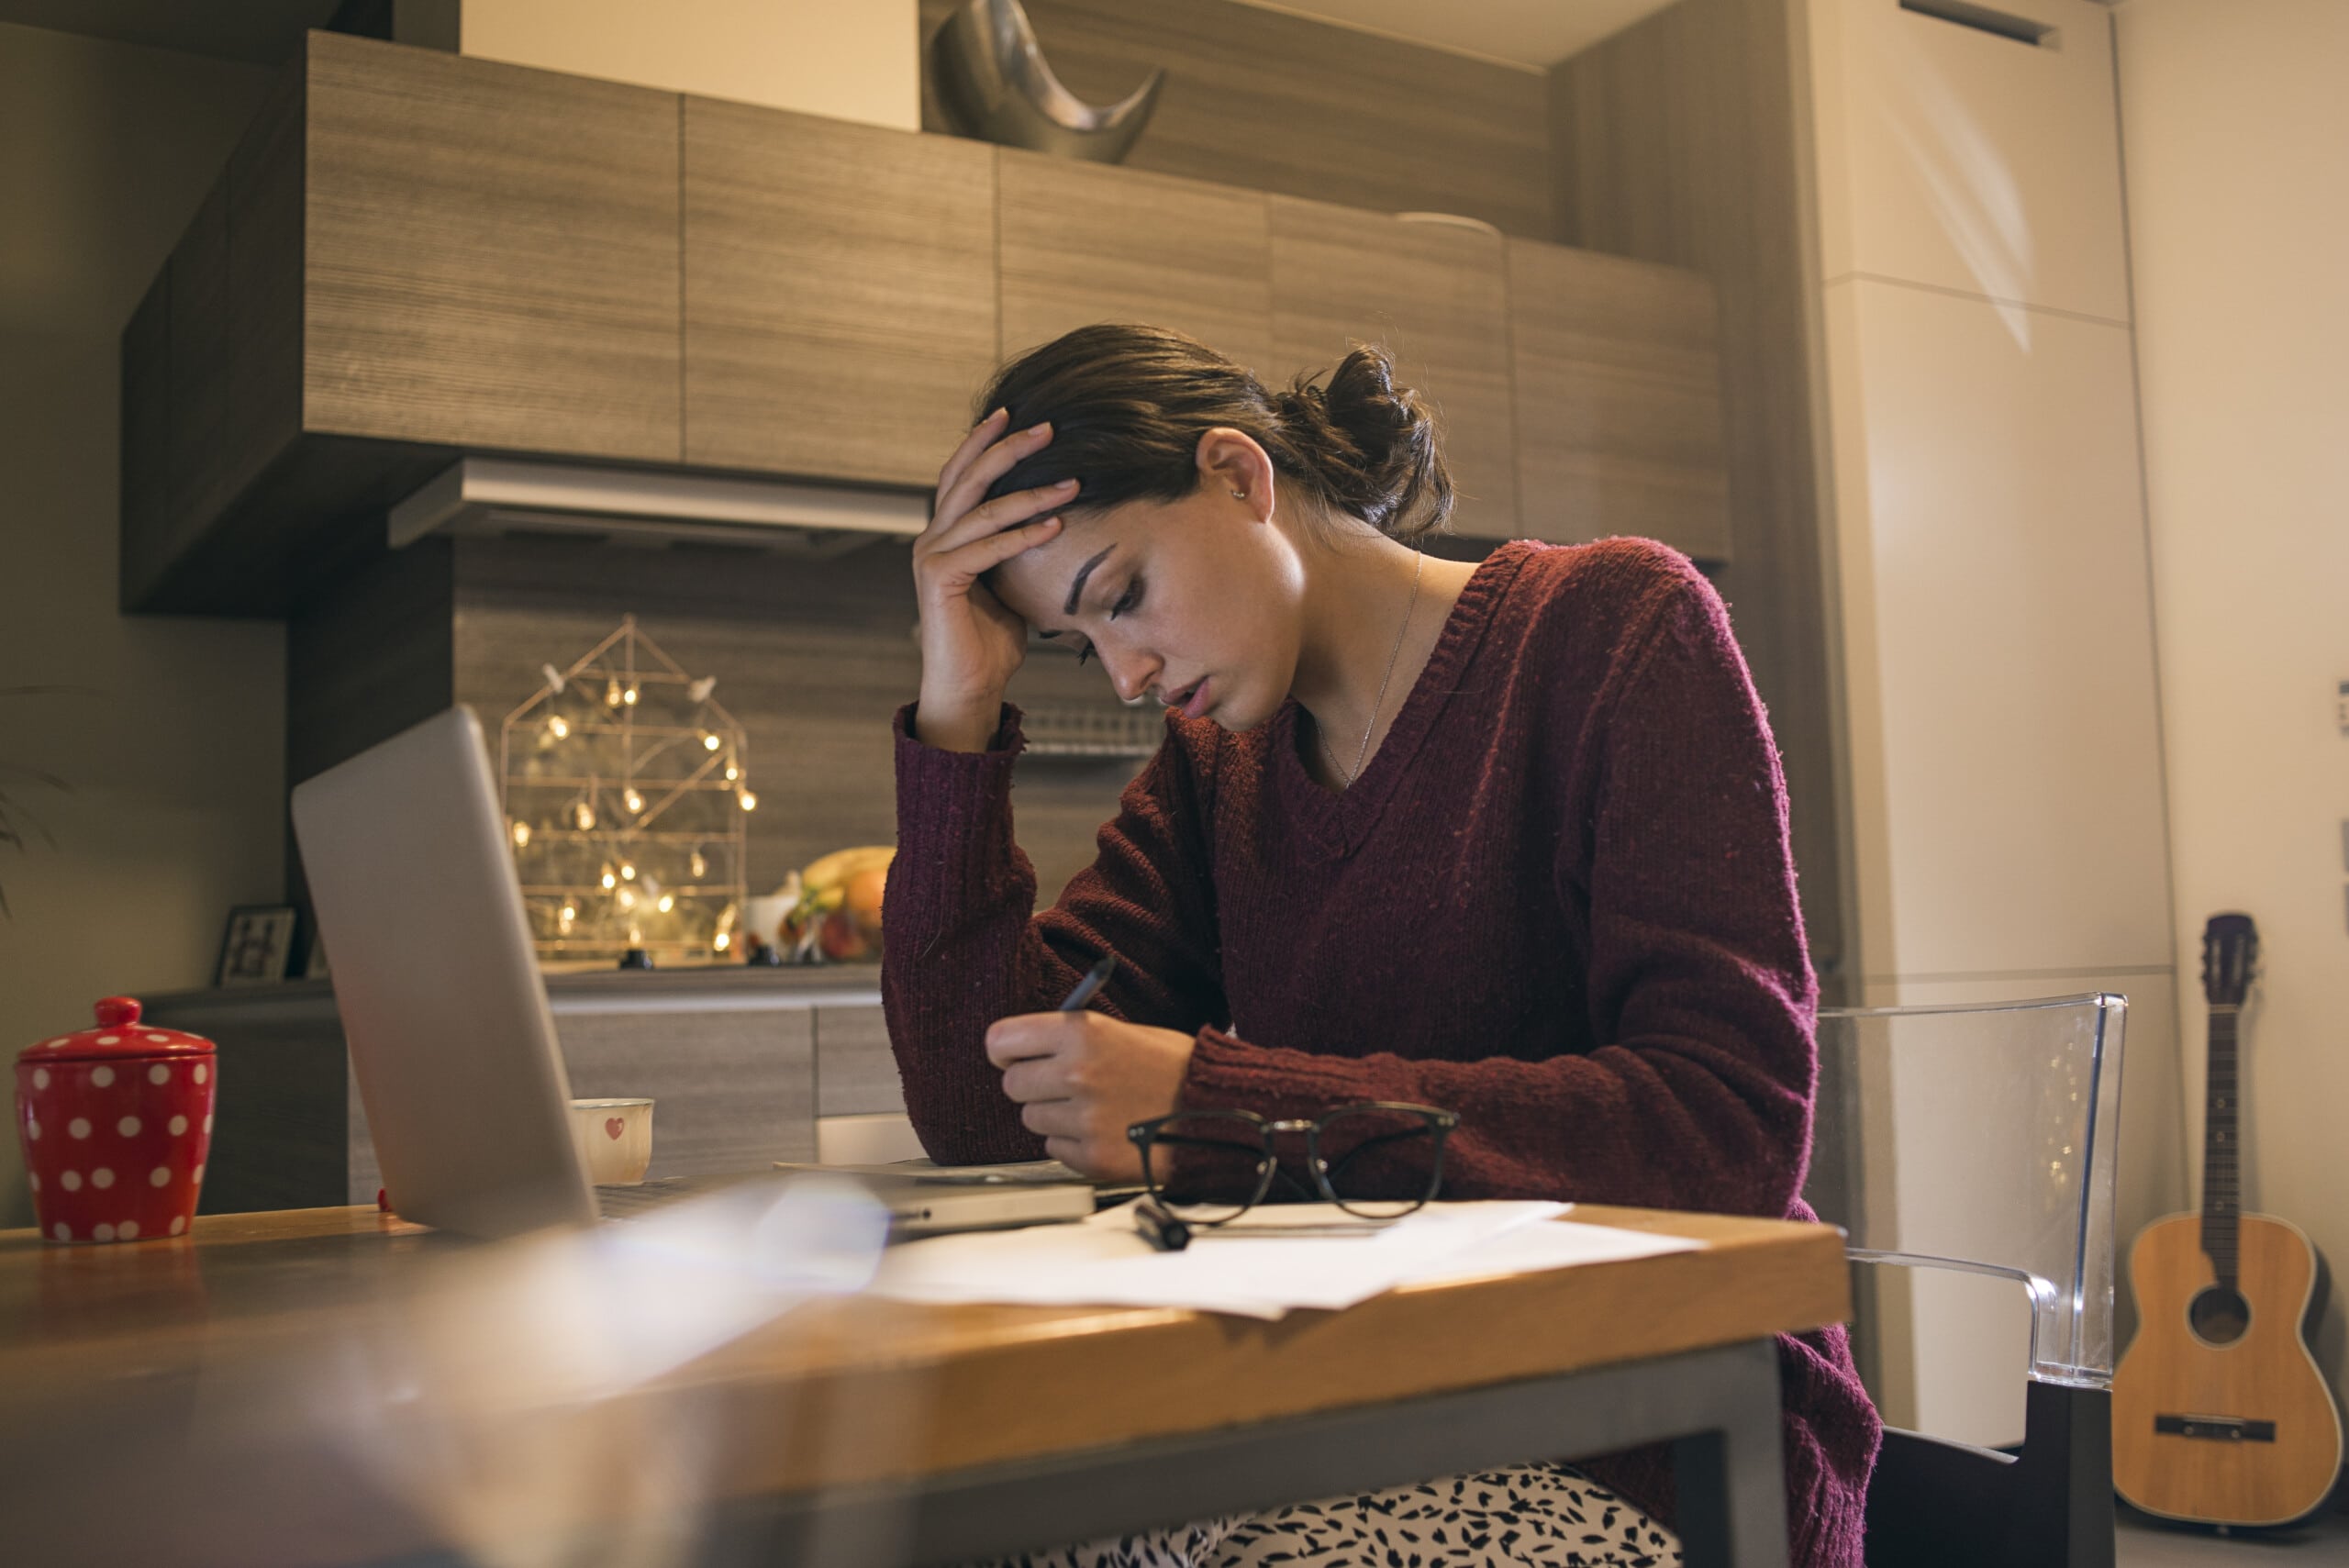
{"x": 1130, "y": 673}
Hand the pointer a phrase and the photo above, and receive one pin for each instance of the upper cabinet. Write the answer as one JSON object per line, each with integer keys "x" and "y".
{"x": 840, "y": 305}
{"x": 413, "y": 256}
{"x": 1618, "y": 405}
{"x": 1436, "y": 297}
{"x": 491, "y": 255}
{"x": 1084, "y": 242}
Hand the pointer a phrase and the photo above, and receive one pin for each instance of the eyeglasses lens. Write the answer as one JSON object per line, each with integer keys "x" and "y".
{"x": 1380, "y": 1164}
{"x": 1205, "y": 1167}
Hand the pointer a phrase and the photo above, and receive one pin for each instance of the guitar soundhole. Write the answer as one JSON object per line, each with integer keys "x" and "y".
{"x": 2219, "y": 1315}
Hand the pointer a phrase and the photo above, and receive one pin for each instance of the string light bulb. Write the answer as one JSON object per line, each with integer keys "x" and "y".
{"x": 610, "y": 881}
{"x": 732, "y": 772}
{"x": 698, "y": 864}
{"x": 521, "y": 834}
{"x": 722, "y": 942}
{"x": 708, "y": 741}
{"x": 749, "y": 799}
{"x": 668, "y": 902}
{"x": 634, "y": 801}
{"x": 627, "y": 870}
{"x": 584, "y": 815}
{"x": 629, "y": 696}
{"x": 612, "y": 691}
{"x": 559, "y": 727}
{"x": 625, "y": 898}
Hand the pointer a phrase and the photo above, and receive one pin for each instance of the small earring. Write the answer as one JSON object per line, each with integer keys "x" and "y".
{"x": 1240, "y": 494}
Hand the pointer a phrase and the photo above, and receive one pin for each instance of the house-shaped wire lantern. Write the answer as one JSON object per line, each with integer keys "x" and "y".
{"x": 625, "y": 784}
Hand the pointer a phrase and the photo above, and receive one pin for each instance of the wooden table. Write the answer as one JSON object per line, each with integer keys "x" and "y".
{"x": 254, "y": 1394}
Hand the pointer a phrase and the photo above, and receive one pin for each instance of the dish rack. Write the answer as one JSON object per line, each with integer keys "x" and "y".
{"x": 1072, "y": 730}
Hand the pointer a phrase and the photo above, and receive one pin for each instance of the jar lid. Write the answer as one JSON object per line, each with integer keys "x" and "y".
{"x": 119, "y": 1033}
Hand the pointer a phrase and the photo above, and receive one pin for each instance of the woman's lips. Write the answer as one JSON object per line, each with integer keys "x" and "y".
{"x": 1198, "y": 702}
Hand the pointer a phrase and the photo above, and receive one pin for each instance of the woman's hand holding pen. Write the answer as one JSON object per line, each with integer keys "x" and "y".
{"x": 1081, "y": 1079}
{"x": 971, "y": 644}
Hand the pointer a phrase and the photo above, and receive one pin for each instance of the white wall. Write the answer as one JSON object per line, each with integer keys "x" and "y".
{"x": 2236, "y": 130}
{"x": 854, "y": 60}
{"x": 171, "y": 735}
{"x": 2003, "y": 734}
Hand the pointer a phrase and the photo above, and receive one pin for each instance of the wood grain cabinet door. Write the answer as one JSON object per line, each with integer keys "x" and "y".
{"x": 1619, "y": 407}
{"x": 856, "y": 1072}
{"x": 1080, "y": 243}
{"x": 840, "y": 308}
{"x": 492, "y": 255}
{"x": 1437, "y": 296}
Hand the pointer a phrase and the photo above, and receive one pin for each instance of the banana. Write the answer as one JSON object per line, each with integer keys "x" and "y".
{"x": 835, "y": 870}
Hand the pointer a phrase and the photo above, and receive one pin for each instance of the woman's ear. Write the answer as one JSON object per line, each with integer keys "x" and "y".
{"x": 1232, "y": 466}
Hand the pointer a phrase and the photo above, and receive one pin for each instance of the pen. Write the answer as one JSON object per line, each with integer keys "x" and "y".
{"x": 1095, "y": 978}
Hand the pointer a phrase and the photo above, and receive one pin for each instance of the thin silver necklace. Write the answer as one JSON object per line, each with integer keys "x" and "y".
{"x": 1380, "y": 701}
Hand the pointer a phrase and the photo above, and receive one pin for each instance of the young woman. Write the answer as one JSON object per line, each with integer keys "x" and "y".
{"x": 1507, "y": 839}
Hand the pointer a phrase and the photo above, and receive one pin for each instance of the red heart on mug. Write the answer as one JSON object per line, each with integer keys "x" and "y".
{"x": 612, "y": 1126}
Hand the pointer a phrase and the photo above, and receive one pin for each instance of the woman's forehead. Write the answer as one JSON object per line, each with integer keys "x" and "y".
{"x": 1037, "y": 583}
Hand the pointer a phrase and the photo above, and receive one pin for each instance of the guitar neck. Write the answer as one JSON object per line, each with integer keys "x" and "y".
{"x": 2223, "y": 1149}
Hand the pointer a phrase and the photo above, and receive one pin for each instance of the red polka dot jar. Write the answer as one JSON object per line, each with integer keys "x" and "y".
{"x": 116, "y": 1123}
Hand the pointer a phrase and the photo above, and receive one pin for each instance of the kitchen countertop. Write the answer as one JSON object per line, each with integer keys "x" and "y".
{"x": 715, "y": 986}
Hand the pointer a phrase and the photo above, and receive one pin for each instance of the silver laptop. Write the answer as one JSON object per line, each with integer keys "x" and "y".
{"x": 446, "y": 1014}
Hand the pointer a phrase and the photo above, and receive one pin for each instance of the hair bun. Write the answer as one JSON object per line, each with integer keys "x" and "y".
{"x": 1377, "y": 444}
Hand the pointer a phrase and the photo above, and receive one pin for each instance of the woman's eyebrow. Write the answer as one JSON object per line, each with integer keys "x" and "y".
{"x": 1076, "y": 589}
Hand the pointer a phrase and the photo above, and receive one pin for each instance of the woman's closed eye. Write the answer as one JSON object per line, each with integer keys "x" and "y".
{"x": 1127, "y": 602}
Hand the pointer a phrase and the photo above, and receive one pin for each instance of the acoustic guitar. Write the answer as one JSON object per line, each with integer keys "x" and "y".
{"x": 2219, "y": 1413}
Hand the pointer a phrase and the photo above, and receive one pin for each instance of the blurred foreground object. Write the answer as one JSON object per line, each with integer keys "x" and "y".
{"x": 514, "y": 1404}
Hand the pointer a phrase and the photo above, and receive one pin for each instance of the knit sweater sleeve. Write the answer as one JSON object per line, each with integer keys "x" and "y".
{"x": 964, "y": 949}
{"x": 1676, "y": 862}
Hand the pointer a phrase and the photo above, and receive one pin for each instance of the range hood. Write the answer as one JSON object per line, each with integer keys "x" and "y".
{"x": 502, "y": 496}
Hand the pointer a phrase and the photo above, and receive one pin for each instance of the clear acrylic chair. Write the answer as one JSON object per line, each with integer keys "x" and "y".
{"x": 1984, "y": 1140}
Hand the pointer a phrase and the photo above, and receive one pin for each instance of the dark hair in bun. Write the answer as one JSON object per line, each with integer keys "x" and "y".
{"x": 1129, "y": 403}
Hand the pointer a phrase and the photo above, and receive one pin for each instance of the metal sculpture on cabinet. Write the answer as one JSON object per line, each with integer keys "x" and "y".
{"x": 992, "y": 83}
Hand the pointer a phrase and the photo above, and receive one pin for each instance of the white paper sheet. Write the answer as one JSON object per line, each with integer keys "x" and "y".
{"x": 1103, "y": 1262}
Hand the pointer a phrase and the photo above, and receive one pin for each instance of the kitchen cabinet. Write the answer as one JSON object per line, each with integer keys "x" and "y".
{"x": 840, "y": 302}
{"x": 1619, "y": 410}
{"x": 856, "y": 1072}
{"x": 1085, "y": 242}
{"x": 1437, "y": 296}
{"x": 492, "y": 255}
{"x": 413, "y": 256}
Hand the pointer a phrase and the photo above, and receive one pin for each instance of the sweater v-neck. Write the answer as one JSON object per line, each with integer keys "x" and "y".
{"x": 1337, "y": 822}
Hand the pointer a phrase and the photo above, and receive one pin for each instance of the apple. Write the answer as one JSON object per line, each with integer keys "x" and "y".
{"x": 841, "y": 939}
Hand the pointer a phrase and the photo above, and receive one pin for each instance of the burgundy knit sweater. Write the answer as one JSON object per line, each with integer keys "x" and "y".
{"x": 1558, "y": 901}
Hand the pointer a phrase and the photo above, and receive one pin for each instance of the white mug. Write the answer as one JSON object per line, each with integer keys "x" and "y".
{"x": 614, "y": 1139}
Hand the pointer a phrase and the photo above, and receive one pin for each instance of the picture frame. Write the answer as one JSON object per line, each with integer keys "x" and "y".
{"x": 256, "y": 946}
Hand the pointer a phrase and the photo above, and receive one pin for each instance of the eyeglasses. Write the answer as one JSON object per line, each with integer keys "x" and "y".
{"x": 1374, "y": 1160}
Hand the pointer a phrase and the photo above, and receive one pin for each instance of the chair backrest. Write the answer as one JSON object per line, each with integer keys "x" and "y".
{"x": 1985, "y": 1139}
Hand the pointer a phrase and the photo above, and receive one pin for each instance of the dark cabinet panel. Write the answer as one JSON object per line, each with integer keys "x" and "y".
{"x": 1618, "y": 408}
{"x": 1437, "y": 296}
{"x": 1084, "y": 242}
{"x": 146, "y": 429}
{"x": 840, "y": 304}
{"x": 492, "y": 255}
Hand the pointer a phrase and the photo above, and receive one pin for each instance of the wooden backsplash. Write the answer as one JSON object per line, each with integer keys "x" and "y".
{"x": 811, "y": 657}
{"x": 1273, "y": 102}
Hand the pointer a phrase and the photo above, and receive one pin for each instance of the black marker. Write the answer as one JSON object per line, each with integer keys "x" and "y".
{"x": 1095, "y": 978}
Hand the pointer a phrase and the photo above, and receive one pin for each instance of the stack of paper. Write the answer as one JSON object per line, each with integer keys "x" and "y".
{"x": 1104, "y": 1262}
